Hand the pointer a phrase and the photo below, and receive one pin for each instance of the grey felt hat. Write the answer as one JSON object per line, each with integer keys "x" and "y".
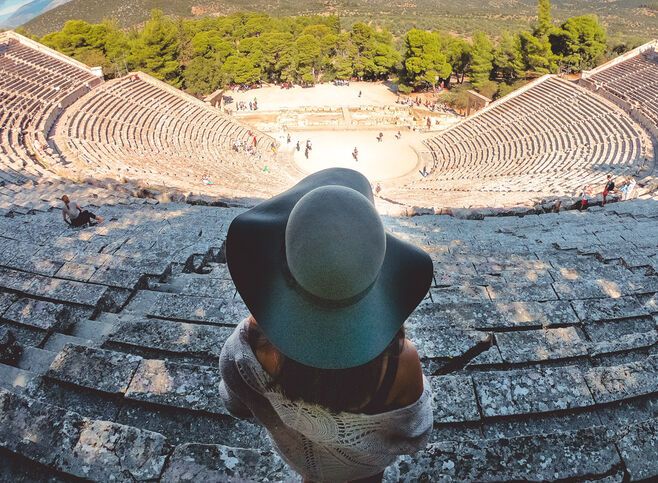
{"x": 327, "y": 285}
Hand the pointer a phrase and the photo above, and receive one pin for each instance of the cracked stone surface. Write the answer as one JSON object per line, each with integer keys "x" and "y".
{"x": 197, "y": 462}
{"x": 537, "y": 458}
{"x": 495, "y": 315}
{"x": 623, "y": 381}
{"x": 638, "y": 446}
{"x": 98, "y": 369}
{"x": 171, "y": 336}
{"x": 530, "y": 391}
{"x": 609, "y": 309}
{"x": 445, "y": 343}
{"x": 179, "y": 385}
{"x": 521, "y": 292}
{"x": 453, "y": 399}
{"x": 42, "y": 431}
{"x": 110, "y": 451}
{"x": 38, "y": 314}
{"x": 540, "y": 345}
{"x": 190, "y": 308}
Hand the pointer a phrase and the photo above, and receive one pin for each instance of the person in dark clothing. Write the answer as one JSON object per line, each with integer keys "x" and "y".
{"x": 298, "y": 147}
{"x": 609, "y": 187}
{"x": 75, "y": 216}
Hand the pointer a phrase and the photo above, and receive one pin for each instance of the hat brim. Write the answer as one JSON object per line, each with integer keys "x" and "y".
{"x": 314, "y": 335}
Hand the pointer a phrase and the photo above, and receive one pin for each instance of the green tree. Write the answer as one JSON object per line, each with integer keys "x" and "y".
{"x": 459, "y": 55}
{"x": 508, "y": 59}
{"x": 240, "y": 70}
{"x": 581, "y": 41}
{"x": 373, "y": 54}
{"x": 424, "y": 63}
{"x": 544, "y": 18}
{"x": 308, "y": 58}
{"x": 483, "y": 57}
{"x": 537, "y": 54}
{"x": 156, "y": 49}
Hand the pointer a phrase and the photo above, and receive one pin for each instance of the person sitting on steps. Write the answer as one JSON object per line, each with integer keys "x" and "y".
{"x": 75, "y": 216}
{"x": 322, "y": 361}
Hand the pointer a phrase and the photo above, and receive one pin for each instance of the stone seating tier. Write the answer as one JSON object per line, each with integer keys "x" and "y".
{"x": 552, "y": 139}
{"x": 538, "y": 337}
{"x": 140, "y": 129}
{"x": 35, "y": 85}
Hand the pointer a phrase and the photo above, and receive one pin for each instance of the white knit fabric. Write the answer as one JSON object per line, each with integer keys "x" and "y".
{"x": 319, "y": 444}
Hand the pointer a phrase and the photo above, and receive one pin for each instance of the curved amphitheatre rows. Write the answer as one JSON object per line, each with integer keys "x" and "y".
{"x": 548, "y": 140}
{"x": 540, "y": 340}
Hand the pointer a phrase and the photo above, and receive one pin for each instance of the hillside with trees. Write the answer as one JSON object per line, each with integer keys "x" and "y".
{"x": 202, "y": 55}
{"x": 626, "y": 19}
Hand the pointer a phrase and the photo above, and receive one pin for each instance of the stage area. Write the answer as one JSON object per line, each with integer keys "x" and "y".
{"x": 378, "y": 161}
{"x": 275, "y": 98}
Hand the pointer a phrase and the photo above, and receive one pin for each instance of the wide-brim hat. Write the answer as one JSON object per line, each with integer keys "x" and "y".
{"x": 328, "y": 286}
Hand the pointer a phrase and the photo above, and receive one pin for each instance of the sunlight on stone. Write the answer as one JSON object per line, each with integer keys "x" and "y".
{"x": 152, "y": 377}
{"x": 611, "y": 289}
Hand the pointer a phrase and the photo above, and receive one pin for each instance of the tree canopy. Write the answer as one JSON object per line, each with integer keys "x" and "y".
{"x": 205, "y": 54}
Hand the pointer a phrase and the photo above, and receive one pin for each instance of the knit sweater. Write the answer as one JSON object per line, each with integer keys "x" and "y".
{"x": 319, "y": 444}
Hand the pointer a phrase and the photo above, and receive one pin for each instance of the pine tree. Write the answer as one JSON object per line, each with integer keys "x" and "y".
{"x": 482, "y": 59}
{"x": 544, "y": 18}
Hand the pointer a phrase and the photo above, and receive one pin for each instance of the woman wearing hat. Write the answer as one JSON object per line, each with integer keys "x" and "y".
{"x": 322, "y": 362}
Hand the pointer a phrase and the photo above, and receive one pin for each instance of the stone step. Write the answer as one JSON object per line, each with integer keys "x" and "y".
{"x": 15, "y": 379}
{"x": 36, "y": 360}
{"x": 77, "y": 446}
{"x": 93, "y": 330}
{"x": 56, "y": 342}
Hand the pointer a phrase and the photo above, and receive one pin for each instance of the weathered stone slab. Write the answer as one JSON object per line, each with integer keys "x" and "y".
{"x": 639, "y": 449}
{"x": 453, "y": 399}
{"x": 487, "y": 358}
{"x": 207, "y": 287}
{"x": 540, "y": 345}
{"x": 171, "y": 336}
{"x": 199, "y": 462}
{"x": 495, "y": 315}
{"x": 35, "y": 265}
{"x": 609, "y": 308}
{"x": 76, "y": 271}
{"x": 115, "y": 277}
{"x": 189, "y": 308}
{"x": 445, "y": 343}
{"x": 540, "y": 424}
{"x": 10, "y": 350}
{"x": 624, "y": 343}
{"x": 108, "y": 451}
{"x": 502, "y": 292}
{"x": 602, "y": 288}
{"x": 623, "y": 381}
{"x": 559, "y": 456}
{"x": 97, "y": 369}
{"x": 179, "y": 385}
{"x": 650, "y": 303}
{"x": 463, "y": 293}
{"x": 531, "y": 391}
{"x": 68, "y": 291}
{"x": 15, "y": 280}
{"x": 6, "y": 299}
{"x": 39, "y": 314}
{"x": 38, "y": 431}
{"x": 609, "y": 331}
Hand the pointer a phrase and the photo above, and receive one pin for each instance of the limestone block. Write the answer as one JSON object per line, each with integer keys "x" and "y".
{"x": 179, "y": 385}
{"x": 531, "y": 391}
{"x": 98, "y": 369}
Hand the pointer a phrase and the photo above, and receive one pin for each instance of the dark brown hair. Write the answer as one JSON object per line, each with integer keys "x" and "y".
{"x": 336, "y": 389}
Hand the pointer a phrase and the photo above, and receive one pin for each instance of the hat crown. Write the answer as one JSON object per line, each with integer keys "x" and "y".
{"x": 335, "y": 243}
